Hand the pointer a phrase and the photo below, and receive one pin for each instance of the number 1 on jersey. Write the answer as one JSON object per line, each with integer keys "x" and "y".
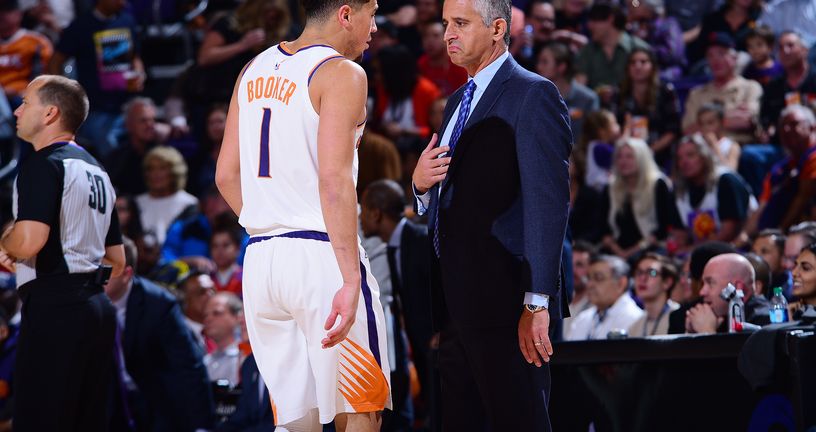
{"x": 263, "y": 168}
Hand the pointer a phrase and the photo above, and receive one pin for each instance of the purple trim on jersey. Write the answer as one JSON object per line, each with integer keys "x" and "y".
{"x": 306, "y": 235}
{"x": 309, "y": 81}
{"x": 373, "y": 338}
{"x": 371, "y": 320}
{"x": 287, "y": 53}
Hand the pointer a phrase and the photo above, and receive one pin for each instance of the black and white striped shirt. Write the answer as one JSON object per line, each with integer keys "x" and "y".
{"x": 66, "y": 188}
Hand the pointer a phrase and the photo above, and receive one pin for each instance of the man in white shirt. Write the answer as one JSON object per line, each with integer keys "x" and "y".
{"x": 222, "y": 320}
{"x": 612, "y": 306}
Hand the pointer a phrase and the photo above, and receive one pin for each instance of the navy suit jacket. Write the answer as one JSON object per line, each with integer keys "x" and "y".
{"x": 252, "y": 414}
{"x": 165, "y": 362}
{"x": 503, "y": 207}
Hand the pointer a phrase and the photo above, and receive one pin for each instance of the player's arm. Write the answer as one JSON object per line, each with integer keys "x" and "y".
{"x": 338, "y": 196}
{"x": 228, "y": 168}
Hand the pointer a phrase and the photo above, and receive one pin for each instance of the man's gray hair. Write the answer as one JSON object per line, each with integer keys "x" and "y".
{"x": 807, "y": 115}
{"x": 140, "y": 100}
{"x": 616, "y": 264}
{"x": 494, "y": 9}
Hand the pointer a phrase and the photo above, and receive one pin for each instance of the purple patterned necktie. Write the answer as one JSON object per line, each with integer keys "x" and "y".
{"x": 464, "y": 111}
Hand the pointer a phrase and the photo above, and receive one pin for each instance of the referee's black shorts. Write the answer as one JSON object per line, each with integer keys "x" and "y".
{"x": 64, "y": 355}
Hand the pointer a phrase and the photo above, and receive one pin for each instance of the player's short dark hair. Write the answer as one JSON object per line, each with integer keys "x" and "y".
{"x": 68, "y": 96}
{"x": 386, "y": 196}
{"x": 762, "y": 32}
{"x": 320, "y": 9}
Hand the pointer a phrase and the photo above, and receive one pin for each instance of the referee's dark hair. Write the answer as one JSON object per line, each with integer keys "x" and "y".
{"x": 68, "y": 96}
{"x": 386, "y": 196}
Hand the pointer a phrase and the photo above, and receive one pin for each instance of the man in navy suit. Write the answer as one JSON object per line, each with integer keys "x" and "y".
{"x": 166, "y": 382}
{"x": 254, "y": 410}
{"x": 496, "y": 192}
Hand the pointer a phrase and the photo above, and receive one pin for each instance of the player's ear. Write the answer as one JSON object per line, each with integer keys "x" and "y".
{"x": 344, "y": 15}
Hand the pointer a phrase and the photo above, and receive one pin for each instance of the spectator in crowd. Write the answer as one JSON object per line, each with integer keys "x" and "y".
{"x": 804, "y": 277}
{"x": 682, "y": 292}
{"x": 791, "y": 184}
{"x": 540, "y": 21}
{"x": 435, "y": 65}
{"x": 798, "y": 237}
{"x": 233, "y": 40}
{"x": 762, "y": 284}
{"x": 124, "y": 164}
{"x": 8, "y": 356}
{"x": 647, "y": 108}
{"x": 711, "y": 315}
{"x": 222, "y": 320}
{"x": 770, "y": 245}
{"x": 165, "y": 174}
{"x": 612, "y": 306}
{"x": 791, "y": 14}
{"x": 129, "y": 221}
{"x": 194, "y": 291}
{"x": 379, "y": 159}
{"x": 735, "y": 18}
{"x": 712, "y": 203}
{"x": 50, "y": 17}
{"x": 253, "y": 411}
{"x": 594, "y": 152}
{"x": 796, "y": 86}
{"x": 582, "y": 254}
{"x": 404, "y": 98}
{"x": 24, "y": 54}
{"x": 225, "y": 245}
{"x": 601, "y": 63}
{"x": 202, "y": 166}
{"x": 649, "y": 22}
{"x": 763, "y": 67}
{"x": 557, "y": 63}
{"x": 104, "y": 43}
{"x": 689, "y": 14}
{"x": 739, "y": 97}
{"x": 710, "y": 122}
{"x": 696, "y": 263}
{"x": 188, "y": 238}
{"x": 573, "y": 16}
{"x": 654, "y": 277}
{"x": 640, "y": 200}
{"x": 584, "y": 200}
{"x": 166, "y": 383}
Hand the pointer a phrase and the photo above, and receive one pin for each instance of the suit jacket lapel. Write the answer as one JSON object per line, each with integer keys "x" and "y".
{"x": 486, "y": 102}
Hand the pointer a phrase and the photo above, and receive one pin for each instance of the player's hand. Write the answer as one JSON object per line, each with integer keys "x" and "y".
{"x": 534, "y": 336}
{"x": 430, "y": 168}
{"x": 344, "y": 305}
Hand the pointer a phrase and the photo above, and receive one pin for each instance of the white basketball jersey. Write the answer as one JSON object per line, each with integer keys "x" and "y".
{"x": 277, "y": 132}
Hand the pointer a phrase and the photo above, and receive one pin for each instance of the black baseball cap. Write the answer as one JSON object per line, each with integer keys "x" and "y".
{"x": 720, "y": 39}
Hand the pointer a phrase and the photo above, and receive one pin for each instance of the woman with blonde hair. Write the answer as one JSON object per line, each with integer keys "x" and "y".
{"x": 165, "y": 176}
{"x": 640, "y": 200}
{"x": 712, "y": 201}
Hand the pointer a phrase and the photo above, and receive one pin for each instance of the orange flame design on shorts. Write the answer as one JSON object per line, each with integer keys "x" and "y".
{"x": 365, "y": 387}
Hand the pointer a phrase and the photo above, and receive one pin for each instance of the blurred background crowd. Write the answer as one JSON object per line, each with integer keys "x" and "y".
{"x": 694, "y": 166}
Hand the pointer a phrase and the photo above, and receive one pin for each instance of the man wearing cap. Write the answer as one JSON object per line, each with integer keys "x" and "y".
{"x": 740, "y": 97}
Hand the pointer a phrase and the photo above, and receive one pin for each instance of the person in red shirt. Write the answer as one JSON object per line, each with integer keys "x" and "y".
{"x": 435, "y": 64}
{"x": 225, "y": 245}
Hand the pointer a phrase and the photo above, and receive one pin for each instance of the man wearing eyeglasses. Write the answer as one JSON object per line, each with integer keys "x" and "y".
{"x": 612, "y": 306}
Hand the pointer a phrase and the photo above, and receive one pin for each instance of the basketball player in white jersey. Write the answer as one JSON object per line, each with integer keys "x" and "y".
{"x": 288, "y": 168}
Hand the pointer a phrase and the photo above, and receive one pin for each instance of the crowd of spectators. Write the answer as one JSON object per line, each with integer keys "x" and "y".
{"x": 694, "y": 166}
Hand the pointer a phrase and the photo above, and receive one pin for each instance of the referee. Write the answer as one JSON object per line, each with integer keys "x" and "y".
{"x": 64, "y": 244}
